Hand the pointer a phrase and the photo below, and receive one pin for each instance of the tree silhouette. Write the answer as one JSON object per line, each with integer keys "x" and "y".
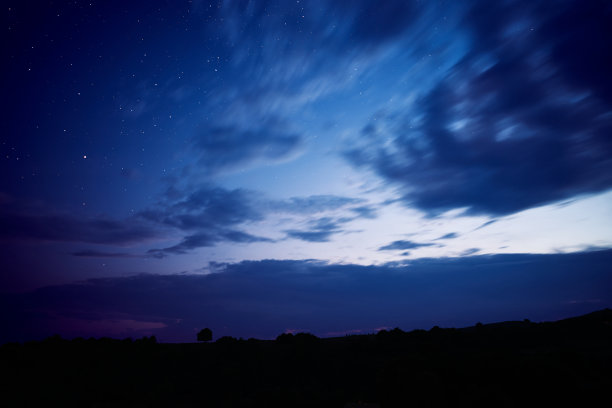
{"x": 205, "y": 335}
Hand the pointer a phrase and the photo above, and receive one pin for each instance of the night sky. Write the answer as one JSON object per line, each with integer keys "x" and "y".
{"x": 260, "y": 167}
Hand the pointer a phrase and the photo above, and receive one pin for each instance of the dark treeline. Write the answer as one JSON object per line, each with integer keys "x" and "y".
{"x": 496, "y": 365}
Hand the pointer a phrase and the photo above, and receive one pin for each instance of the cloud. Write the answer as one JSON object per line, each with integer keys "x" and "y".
{"x": 485, "y": 224}
{"x": 264, "y": 298}
{"x": 211, "y": 214}
{"x": 313, "y": 204}
{"x": 67, "y": 228}
{"x": 230, "y": 146}
{"x": 208, "y": 215}
{"x": 368, "y": 212}
{"x": 201, "y": 240}
{"x": 401, "y": 245}
{"x": 206, "y": 207}
{"x": 100, "y": 254}
{"x": 519, "y": 121}
{"x": 450, "y": 235}
{"x": 252, "y": 98}
{"x": 320, "y": 230}
{"x": 311, "y": 236}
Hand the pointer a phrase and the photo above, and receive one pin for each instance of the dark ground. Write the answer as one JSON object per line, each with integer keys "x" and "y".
{"x": 508, "y": 364}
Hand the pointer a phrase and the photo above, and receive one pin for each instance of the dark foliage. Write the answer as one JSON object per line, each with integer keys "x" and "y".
{"x": 205, "y": 335}
{"x": 504, "y": 364}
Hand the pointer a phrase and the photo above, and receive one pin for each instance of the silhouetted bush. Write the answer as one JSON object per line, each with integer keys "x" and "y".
{"x": 298, "y": 338}
{"x": 205, "y": 335}
{"x": 227, "y": 340}
{"x": 144, "y": 341}
{"x": 305, "y": 337}
{"x": 285, "y": 338}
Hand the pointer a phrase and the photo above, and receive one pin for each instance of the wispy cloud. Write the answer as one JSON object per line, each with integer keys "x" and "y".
{"x": 211, "y": 214}
{"x": 88, "y": 253}
{"x": 403, "y": 245}
{"x": 450, "y": 235}
{"x": 229, "y": 147}
{"x": 526, "y": 125}
{"x": 57, "y": 227}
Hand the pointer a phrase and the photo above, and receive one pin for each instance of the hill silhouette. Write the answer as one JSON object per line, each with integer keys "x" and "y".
{"x": 504, "y": 364}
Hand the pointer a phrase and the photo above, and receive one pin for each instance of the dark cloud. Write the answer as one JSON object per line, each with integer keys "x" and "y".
{"x": 320, "y": 230}
{"x": 401, "y": 245}
{"x": 211, "y": 214}
{"x": 368, "y": 212}
{"x": 68, "y": 228}
{"x": 100, "y": 254}
{"x": 201, "y": 240}
{"x": 311, "y": 236}
{"x": 485, "y": 224}
{"x": 450, "y": 235}
{"x": 520, "y": 121}
{"x": 582, "y": 49}
{"x": 265, "y": 298}
{"x": 243, "y": 237}
{"x": 207, "y": 207}
{"x": 228, "y": 147}
{"x": 313, "y": 204}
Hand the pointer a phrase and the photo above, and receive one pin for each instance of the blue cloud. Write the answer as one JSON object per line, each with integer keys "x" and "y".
{"x": 401, "y": 245}
{"x": 208, "y": 239}
{"x": 229, "y": 147}
{"x": 368, "y": 212}
{"x": 238, "y": 299}
{"x": 450, "y": 235}
{"x": 485, "y": 224}
{"x": 313, "y": 204}
{"x": 320, "y": 230}
{"x": 211, "y": 214}
{"x": 469, "y": 252}
{"x": 40, "y": 226}
{"x": 516, "y": 123}
{"x": 101, "y": 254}
{"x": 311, "y": 236}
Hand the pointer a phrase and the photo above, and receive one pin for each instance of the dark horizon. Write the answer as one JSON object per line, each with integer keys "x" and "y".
{"x": 562, "y": 363}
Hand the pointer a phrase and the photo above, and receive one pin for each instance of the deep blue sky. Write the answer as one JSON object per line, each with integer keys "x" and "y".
{"x": 333, "y": 167}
